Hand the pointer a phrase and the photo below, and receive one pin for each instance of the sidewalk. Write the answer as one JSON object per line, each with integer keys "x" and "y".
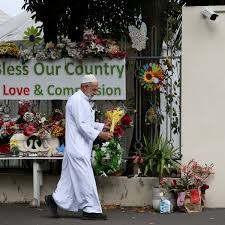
{"x": 12, "y": 214}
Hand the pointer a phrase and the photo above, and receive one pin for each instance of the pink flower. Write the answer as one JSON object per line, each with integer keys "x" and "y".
{"x": 137, "y": 159}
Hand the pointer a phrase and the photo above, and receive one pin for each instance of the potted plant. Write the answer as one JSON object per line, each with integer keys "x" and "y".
{"x": 160, "y": 160}
{"x": 160, "y": 156}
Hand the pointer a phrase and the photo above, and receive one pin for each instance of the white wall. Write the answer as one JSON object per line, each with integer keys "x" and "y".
{"x": 203, "y": 95}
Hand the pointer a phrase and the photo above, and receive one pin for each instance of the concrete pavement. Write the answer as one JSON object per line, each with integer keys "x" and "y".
{"x": 13, "y": 214}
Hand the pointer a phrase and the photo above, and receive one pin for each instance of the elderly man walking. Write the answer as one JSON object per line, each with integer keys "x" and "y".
{"x": 76, "y": 189}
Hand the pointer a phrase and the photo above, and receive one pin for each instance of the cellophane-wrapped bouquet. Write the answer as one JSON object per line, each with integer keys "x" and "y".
{"x": 114, "y": 116}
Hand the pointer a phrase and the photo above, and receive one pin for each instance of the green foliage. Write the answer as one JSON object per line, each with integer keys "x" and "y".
{"x": 15, "y": 150}
{"x": 111, "y": 17}
{"x": 159, "y": 156}
{"x": 70, "y": 18}
{"x": 170, "y": 91}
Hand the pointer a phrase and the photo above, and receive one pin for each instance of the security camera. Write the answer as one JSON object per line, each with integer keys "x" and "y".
{"x": 209, "y": 13}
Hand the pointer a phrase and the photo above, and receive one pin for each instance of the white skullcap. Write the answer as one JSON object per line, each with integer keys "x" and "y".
{"x": 89, "y": 79}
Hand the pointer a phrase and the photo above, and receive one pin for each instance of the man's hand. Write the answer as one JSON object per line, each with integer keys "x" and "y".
{"x": 105, "y": 135}
{"x": 106, "y": 125}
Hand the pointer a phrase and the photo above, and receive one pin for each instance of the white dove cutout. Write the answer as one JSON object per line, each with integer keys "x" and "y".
{"x": 138, "y": 36}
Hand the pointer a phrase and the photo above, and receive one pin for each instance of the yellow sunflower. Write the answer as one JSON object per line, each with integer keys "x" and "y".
{"x": 148, "y": 78}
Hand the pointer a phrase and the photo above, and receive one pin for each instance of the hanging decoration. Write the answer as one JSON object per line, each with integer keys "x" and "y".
{"x": 32, "y": 36}
{"x": 151, "y": 76}
{"x": 153, "y": 115}
{"x": 138, "y": 36}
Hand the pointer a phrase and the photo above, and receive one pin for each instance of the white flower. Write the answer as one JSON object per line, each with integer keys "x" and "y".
{"x": 93, "y": 157}
{"x": 93, "y": 45}
{"x": 107, "y": 156}
{"x": 55, "y": 54}
{"x": 66, "y": 40}
{"x": 26, "y": 54}
{"x": 74, "y": 53}
{"x": 103, "y": 149}
{"x": 89, "y": 35}
{"x": 103, "y": 174}
{"x": 28, "y": 117}
{"x": 105, "y": 144}
{"x": 43, "y": 119}
{"x": 60, "y": 45}
{"x": 100, "y": 48}
{"x": 41, "y": 56}
{"x": 72, "y": 45}
{"x": 155, "y": 80}
{"x": 88, "y": 32}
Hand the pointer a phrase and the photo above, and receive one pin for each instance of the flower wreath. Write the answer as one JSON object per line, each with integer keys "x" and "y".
{"x": 107, "y": 157}
{"x": 151, "y": 76}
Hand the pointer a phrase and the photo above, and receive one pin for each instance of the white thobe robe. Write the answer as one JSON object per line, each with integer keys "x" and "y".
{"x": 76, "y": 188}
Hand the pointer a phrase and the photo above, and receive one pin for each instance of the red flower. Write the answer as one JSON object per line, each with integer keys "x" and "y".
{"x": 10, "y": 131}
{"x": 99, "y": 41}
{"x": 12, "y": 123}
{"x": 5, "y": 148}
{"x": 204, "y": 187}
{"x": 118, "y": 131}
{"x": 22, "y": 126}
{"x": 174, "y": 183}
{"x": 1, "y": 123}
{"x": 126, "y": 120}
{"x": 29, "y": 130}
{"x": 22, "y": 110}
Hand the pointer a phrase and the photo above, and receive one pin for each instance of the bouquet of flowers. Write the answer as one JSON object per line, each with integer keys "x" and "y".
{"x": 7, "y": 127}
{"x": 106, "y": 158}
{"x": 191, "y": 187}
{"x": 30, "y": 122}
{"x": 194, "y": 175}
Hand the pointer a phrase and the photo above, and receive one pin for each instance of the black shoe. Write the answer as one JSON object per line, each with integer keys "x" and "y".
{"x": 52, "y": 206}
{"x": 94, "y": 216}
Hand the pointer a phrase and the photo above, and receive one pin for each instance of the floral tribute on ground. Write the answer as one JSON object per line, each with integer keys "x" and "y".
{"x": 190, "y": 188}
